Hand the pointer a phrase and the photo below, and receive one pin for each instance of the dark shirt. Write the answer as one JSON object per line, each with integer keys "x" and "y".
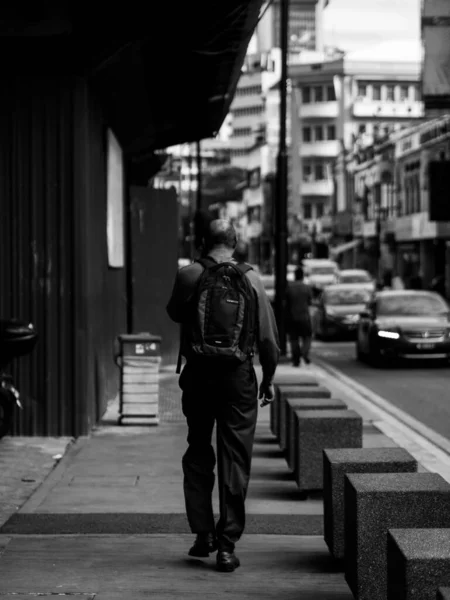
{"x": 267, "y": 343}
{"x": 298, "y": 301}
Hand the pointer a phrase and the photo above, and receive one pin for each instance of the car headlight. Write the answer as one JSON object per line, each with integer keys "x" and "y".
{"x": 389, "y": 335}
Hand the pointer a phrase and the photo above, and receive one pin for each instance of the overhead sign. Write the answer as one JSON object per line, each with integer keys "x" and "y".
{"x": 436, "y": 65}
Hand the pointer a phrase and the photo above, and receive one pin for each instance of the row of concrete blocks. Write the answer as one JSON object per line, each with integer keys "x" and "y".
{"x": 385, "y": 523}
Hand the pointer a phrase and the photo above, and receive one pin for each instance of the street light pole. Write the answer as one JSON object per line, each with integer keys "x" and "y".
{"x": 281, "y": 234}
{"x": 199, "y": 176}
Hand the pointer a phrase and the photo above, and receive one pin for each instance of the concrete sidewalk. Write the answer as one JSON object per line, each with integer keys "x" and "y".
{"x": 109, "y": 523}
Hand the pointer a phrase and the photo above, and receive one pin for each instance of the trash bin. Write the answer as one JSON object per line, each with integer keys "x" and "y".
{"x": 139, "y": 359}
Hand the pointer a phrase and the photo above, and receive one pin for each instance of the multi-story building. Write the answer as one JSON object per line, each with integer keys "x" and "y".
{"x": 339, "y": 101}
{"x": 301, "y": 26}
{"x": 389, "y": 189}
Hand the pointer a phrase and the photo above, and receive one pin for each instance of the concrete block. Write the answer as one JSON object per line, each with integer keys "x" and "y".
{"x": 286, "y": 381}
{"x": 336, "y": 464}
{"x": 295, "y": 379}
{"x": 318, "y": 430}
{"x": 418, "y": 562}
{"x": 296, "y": 392}
{"x": 293, "y": 404}
{"x": 443, "y": 593}
{"x": 376, "y": 502}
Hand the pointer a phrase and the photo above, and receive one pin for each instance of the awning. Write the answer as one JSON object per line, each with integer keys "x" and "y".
{"x": 344, "y": 247}
{"x": 165, "y": 72}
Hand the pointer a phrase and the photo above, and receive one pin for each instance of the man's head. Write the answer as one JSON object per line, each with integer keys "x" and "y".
{"x": 241, "y": 252}
{"x": 299, "y": 274}
{"x": 220, "y": 233}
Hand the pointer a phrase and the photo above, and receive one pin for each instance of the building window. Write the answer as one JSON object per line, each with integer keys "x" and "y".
{"x": 306, "y": 134}
{"x": 331, "y": 94}
{"x": 307, "y": 210}
{"x": 319, "y": 172}
{"x": 404, "y": 93}
{"x": 362, "y": 128}
{"x": 362, "y": 90}
{"x": 376, "y": 92}
{"x": 307, "y": 172}
{"x": 115, "y": 193}
{"x": 390, "y": 93}
{"x": 306, "y": 95}
{"x": 331, "y": 132}
{"x": 417, "y": 93}
{"x": 318, "y": 133}
{"x": 318, "y": 94}
{"x": 319, "y": 210}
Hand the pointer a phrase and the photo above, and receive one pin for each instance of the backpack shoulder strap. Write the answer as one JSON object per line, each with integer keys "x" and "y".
{"x": 207, "y": 262}
{"x": 244, "y": 267}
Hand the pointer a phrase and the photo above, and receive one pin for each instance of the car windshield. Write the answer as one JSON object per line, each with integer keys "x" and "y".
{"x": 322, "y": 270}
{"x": 335, "y": 297}
{"x": 411, "y": 304}
{"x": 355, "y": 278}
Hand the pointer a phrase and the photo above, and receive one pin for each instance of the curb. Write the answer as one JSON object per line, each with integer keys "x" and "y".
{"x": 428, "y": 434}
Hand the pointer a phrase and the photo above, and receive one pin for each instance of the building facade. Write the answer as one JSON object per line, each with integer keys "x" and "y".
{"x": 391, "y": 200}
{"x": 342, "y": 103}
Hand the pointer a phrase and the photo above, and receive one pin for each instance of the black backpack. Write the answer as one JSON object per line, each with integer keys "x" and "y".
{"x": 224, "y": 313}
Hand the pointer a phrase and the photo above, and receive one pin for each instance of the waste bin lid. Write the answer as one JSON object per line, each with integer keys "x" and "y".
{"x": 139, "y": 337}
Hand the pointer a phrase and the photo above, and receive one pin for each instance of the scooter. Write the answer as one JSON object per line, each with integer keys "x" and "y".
{"x": 17, "y": 338}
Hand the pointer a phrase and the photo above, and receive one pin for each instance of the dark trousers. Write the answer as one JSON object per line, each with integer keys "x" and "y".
{"x": 300, "y": 331}
{"x": 227, "y": 398}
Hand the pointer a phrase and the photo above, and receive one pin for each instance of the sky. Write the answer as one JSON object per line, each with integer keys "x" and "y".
{"x": 356, "y": 24}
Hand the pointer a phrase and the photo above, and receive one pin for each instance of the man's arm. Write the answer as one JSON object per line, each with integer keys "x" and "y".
{"x": 183, "y": 290}
{"x": 268, "y": 343}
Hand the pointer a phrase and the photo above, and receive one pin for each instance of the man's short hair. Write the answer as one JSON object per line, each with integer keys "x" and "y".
{"x": 220, "y": 233}
{"x": 299, "y": 273}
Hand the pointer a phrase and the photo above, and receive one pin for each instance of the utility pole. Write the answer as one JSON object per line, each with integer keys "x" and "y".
{"x": 198, "y": 205}
{"x": 199, "y": 176}
{"x": 281, "y": 233}
{"x": 191, "y": 208}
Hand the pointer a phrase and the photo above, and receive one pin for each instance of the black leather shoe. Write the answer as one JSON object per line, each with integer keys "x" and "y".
{"x": 227, "y": 562}
{"x": 204, "y": 544}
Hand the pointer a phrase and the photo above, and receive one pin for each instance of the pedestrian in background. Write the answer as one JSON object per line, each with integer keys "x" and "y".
{"x": 299, "y": 299}
{"x": 225, "y": 315}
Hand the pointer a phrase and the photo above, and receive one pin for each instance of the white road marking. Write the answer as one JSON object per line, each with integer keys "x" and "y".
{"x": 430, "y": 448}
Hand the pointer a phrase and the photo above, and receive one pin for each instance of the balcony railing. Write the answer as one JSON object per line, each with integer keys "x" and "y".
{"x": 383, "y": 109}
{"x": 329, "y": 148}
{"x": 326, "y": 110}
{"x": 316, "y": 188}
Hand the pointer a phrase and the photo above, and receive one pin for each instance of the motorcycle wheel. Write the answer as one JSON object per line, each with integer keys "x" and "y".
{"x": 6, "y": 413}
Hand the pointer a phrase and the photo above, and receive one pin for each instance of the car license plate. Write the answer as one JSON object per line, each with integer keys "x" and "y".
{"x": 425, "y": 346}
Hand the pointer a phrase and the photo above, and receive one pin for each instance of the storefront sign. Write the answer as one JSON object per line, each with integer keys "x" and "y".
{"x": 369, "y": 229}
{"x": 415, "y": 227}
{"x": 437, "y": 131}
{"x": 407, "y": 144}
{"x": 358, "y": 225}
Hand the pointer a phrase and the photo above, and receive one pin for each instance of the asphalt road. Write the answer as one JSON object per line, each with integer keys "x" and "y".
{"x": 420, "y": 389}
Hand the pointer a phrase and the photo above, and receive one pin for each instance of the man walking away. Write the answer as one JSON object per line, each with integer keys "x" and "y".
{"x": 299, "y": 327}
{"x": 225, "y": 313}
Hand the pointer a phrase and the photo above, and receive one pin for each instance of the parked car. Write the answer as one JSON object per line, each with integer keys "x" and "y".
{"x": 357, "y": 276}
{"x": 404, "y": 324}
{"x": 319, "y": 273}
{"x": 338, "y": 310}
